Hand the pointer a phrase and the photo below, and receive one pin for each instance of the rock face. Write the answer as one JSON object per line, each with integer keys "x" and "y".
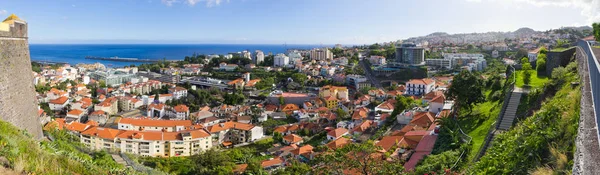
{"x": 18, "y": 104}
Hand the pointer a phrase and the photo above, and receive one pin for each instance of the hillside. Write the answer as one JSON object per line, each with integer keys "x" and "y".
{"x": 20, "y": 154}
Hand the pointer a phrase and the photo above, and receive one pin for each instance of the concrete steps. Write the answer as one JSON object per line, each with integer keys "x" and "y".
{"x": 510, "y": 112}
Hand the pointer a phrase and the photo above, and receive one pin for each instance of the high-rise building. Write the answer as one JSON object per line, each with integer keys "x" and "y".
{"x": 321, "y": 54}
{"x": 259, "y": 57}
{"x": 409, "y": 54}
{"x": 281, "y": 60}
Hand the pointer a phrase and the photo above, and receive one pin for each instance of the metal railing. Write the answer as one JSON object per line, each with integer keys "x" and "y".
{"x": 594, "y": 71}
{"x": 496, "y": 124}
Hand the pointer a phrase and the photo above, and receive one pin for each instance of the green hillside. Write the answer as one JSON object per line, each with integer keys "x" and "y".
{"x": 21, "y": 154}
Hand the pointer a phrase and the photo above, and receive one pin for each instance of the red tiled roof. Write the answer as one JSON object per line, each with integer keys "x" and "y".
{"x": 230, "y": 125}
{"x": 181, "y": 108}
{"x": 424, "y": 81}
{"x": 105, "y": 133}
{"x": 155, "y": 123}
{"x": 272, "y": 162}
{"x": 59, "y": 100}
{"x": 338, "y": 143}
{"x": 292, "y": 138}
{"x": 75, "y": 112}
{"x": 337, "y": 132}
{"x": 388, "y": 142}
{"x": 306, "y": 149}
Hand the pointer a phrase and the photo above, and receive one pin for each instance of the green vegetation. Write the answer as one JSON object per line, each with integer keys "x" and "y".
{"x": 535, "y": 82}
{"x": 596, "y": 32}
{"x": 359, "y": 158}
{"x": 466, "y": 90}
{"x": 62, "y": 156}
{"x": 542, "y": 143}
{"x": 213, "y": 161}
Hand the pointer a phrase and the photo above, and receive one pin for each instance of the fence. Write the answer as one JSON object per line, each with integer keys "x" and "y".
{"x": 496, "y": 124}
{"x": 594, "y": 77}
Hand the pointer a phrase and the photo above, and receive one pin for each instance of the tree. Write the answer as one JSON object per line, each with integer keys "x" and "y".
{"x": 466, "y": 90}
{"x": 281, "y": 100}
{"x": 526, "y": 73}
{"x": 541, "y": 63}
{"x": 277, "y": 137}
{"x": 341, "y": 114}
{"x": 213, "y": 162}
{"x": 524, "y": 60}
{"x": 596, "y": 28}
{"x": 362, "y": 158}
{"x": 300, "y": 78}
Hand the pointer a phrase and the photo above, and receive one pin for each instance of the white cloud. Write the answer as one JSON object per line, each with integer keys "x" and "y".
{"x": 169, "y": 2}
{"x": 3, "y": 12}
{"x": 589, "y": 8}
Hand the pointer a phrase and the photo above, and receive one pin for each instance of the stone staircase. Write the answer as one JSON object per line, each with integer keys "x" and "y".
{"x": 510, "y": 112}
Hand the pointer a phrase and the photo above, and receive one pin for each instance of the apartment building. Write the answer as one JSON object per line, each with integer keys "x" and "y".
{"x": 232, "y": 133}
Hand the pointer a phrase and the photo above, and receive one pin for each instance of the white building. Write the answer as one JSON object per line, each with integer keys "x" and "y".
{"x": 281, "y": 60}
{"x": 59, "y": 103}
{"x": 178, "y": 92}
{"x": 419, "y": 86}
{"x": 259, "y": 57}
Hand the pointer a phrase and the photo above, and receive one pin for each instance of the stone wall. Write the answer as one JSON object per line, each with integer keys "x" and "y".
{"x": 17, "y": 94}
{"x": 557, "y": 59}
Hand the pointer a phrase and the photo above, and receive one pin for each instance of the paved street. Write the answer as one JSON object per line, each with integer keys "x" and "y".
{"x": 369, "y": 74}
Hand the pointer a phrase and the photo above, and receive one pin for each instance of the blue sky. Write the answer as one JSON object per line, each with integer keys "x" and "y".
{"x": 285, "y": 21}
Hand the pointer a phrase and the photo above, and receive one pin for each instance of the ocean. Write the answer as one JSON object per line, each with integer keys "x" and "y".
{"x": 76, "y": 53}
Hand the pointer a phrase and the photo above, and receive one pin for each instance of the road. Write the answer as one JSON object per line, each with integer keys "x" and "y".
{"x": 369, "y": 74}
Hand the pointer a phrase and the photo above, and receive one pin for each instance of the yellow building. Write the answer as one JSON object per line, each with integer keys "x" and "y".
{"x": 332, "y": 95}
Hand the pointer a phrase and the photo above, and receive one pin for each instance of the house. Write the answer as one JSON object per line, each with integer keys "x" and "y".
{"x": 180, "y": 112}
{"x": 419, "y": 86}
{"x": 58, "y": 104}
{"x": 388, "y": 142}
{"x": 336, "y": 133}
{"x": 237, "y": 83}
{"x": 292, "y": 139}
{"x": 156, "y": 110}
{"x": 377, "y": 60}
{"x": 338, "y": 143}
{"x": 244, "y": 119}
{"x": 437, "y": 104}
{"x": 84, "y": 104}
{"x": 129, "y": 103}
{"x": 287, "y": 129}
{"x": 377, "y": 93}
{"x": 201, "y": 115}
{"x": 362, "y": 127}
{"x": 424, "y": 148}
{"x": 75, "y": 114}
{"x": 289, "y": 108}
{"x": 209, "y": 121}
{"x": 273, "y": 163}
{"x": 387, "y": 106}
{"x": 304, "y": 153}
{"x": 231, "y": 133}
{"x": 110, "y": 106}
{"x": 98, "y": 116}
{"x": 278, "y": 115}
{"x": 227, "y": 67}
{"x": 148, "y": 124}
{"x": 423, "y": 119}
{"x": 360, "y": 114}
{"x": 178, "y": 92}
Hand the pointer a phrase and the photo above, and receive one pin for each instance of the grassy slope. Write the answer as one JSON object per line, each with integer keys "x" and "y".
{"x": 547, "y": 137}
{"x": 29, "y": 156}
{"x": 536, "y": 81}
{"x": 477, "y": 124}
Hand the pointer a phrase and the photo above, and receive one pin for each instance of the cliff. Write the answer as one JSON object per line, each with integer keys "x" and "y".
{"x": 18, "y": 104}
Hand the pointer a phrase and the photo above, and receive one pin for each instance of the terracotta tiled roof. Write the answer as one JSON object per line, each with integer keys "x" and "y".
{"x": 252, "y": 83}
{"x": 236, "y": 81}
{"x": 92, "y": 123}
{"x": 363, "y": 126}
{"x": 181, "y": 108}
{"x": 272, "y": 162}
{"x": 306, "y": 149}
{"x": 387, "y": 142}
{"x": 423, "y": 119}
{"x": 337, "y": 132}
{"x": 425, "y": 81}
{"x": 158, "y": 106}
{"x": 105, "y": 133}
{"x": 240, "y": 168}
{"x": 292, "y": 138}
{"x": 229, "y": 125}
{"x": 360, "y": 113}
{"x": 99, "y": 112}
{"x": 155, "y": 123}
{"x": 75, "y": 112}
{"x": 338, "y": 143}
{"x": 59, "y": 100}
